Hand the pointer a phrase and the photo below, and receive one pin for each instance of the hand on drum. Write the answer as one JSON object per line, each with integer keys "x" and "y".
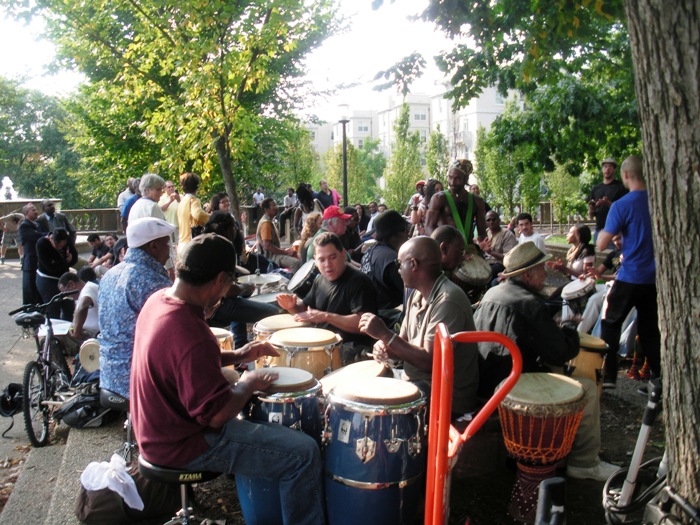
{"x": 255, "y": 350}
{"x": 258, "y": 380}
{"x": 288, "y": 301}
{"x": 373, "y": 326}
{"x": 311, "y": 315}
{"x": 380, "y": 352}
{"x": 557, "y": 264}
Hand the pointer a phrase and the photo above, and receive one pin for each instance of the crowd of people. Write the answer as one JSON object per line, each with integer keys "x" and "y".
{"x": 385, "y": 281}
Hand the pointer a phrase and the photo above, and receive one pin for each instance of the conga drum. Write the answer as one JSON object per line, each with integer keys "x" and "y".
{"x": 576, "y": 294}
{"x": 264, "y": 328}
{"x": 589, "y": 361}
{"x": 374, "y": 455}
{"x": 315, "y": 350}
{"x": 301, "y": 282}
{"x": 293, "y": 401}
{"x": 539, "y": 417}
{"x": 353, "y": 373}
{"x": 223, "y": 337}
{"x": 89, "y": 355}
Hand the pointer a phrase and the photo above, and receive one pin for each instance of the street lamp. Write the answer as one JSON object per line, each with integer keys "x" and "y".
{"x": 344, "y": 110}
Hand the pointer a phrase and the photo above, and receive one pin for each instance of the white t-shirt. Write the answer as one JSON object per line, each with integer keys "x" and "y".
{"x": 536, "y": 238}
{"x": 91, "y": 321}
{"x": 258, "y": 198}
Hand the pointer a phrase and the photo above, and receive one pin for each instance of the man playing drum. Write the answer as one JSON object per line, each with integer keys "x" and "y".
{"x": 499, "y": 242}
{"x": 185, "y": 412}
{"x": 435, "y": 299}
{"x": 338, "y": 297}
{"x": 456, "y": 206}
{"x": 516, "y": 310}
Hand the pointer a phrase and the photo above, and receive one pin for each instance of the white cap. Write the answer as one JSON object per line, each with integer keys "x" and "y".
{"x": 147, "y": 229}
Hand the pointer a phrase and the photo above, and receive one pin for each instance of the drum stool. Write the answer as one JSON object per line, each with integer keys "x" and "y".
{"x": 179, "y": 476}
{"x": 114, "y": 401}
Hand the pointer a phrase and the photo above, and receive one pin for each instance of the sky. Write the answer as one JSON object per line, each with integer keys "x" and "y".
{"x": 376, "y": 39}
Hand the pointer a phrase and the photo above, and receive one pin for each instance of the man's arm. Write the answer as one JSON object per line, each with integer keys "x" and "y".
{"x": 604, "y": 239}
{"x": 250, "y": 382}
{"x": 399, "y": 348}
{"x": 432, "y": 216}
{"x": 480, "y": 217}
{"x": 80, "y": 314}
{"x": 346, "y": 323}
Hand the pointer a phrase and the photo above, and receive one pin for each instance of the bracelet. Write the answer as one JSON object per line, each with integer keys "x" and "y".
{"x": 391, "y": 340}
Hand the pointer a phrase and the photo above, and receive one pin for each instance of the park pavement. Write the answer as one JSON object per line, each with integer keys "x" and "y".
{"x": 47, "y": 486}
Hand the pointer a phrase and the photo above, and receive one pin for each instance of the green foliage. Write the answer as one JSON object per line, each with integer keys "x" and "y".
{"x": 33, "y": 149}
{"x": 362, "y": 170}
{"x": 565, "y": 193}
{"x": 404, "y": 166}
{"x": 437, "y": 155}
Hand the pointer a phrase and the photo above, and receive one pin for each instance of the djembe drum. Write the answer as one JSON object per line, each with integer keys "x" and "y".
{"x": 589, "y": 361}
{"x": 539, "y": 418}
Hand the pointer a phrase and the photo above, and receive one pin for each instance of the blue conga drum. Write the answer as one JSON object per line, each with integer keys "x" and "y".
{"x": 374, "y": 455}
{"x": 293, "y": 400}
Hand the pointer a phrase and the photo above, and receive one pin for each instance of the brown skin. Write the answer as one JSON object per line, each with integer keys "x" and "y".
{"x": 439, "y": 212}
{"x": 419, "y": 268}
{"x": 207, "y": 297}
{"x": 271, "y": 212}
{"x": 633, "y": 181}
{"x": 493, "y": 223}
{"x": 608, "y": 177}
{"x": 81, "y": 308}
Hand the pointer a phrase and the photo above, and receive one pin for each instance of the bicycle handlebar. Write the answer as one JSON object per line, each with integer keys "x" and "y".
{"x": 42, "y": 307}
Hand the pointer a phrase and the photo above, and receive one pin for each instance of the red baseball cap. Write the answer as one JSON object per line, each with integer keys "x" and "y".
{"x": 420, "y": 183}
{"x": 333, "y": 211}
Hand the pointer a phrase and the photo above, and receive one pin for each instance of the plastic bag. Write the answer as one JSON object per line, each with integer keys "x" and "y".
{"x": 113, "y": 476}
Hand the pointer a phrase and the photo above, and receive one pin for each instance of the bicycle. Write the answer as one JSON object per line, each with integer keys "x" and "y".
{"x": 46, "y": 382}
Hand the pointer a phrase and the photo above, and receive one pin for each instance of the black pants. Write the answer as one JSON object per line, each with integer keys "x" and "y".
{"x": 621, "y": 299}
{"x": 30, "y": 293}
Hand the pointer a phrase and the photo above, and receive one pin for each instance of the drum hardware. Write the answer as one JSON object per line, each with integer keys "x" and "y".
{"x": 365, "y": 447}
{"x": 313, "y": 349}
{"x": 393, "y": 444}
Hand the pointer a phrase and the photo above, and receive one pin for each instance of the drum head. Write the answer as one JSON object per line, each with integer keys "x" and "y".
{"x": 291, "y": 380}
{"x": 592, "y": 343}
{"x": 353, "y": 373}
{"x": 90, "y": 355}
{"x": 541, "y": 394}
{"x": 578, "y": 288}
{"x": 301, "y": 275}
{"x": 475, "y": 271}
{"x": 220, "y": 333}
{"x": 303, "y": 337}
{"x": 263, "y": 278}
{"x": 279, "y": 322}
{"x": 378, "y": 391}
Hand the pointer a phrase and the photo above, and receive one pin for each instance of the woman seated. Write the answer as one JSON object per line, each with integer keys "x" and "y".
{"x": 578, "y": 260}
{"x": 311, "y": 225}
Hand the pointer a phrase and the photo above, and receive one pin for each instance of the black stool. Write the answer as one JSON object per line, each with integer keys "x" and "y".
{"x": 114, "y": 401}
{"x": 179, "y": 476}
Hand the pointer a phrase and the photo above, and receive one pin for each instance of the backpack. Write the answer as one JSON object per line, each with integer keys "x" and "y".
{"x": 11, "y": 400}
{"x": 84, "y": 411}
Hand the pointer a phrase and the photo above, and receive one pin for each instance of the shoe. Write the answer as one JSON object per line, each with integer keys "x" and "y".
{"x": 601, "y": 472}
{"x": 643, "y": 391}
{"x": 2, "y": 260}
{"x": 609, "y": 383}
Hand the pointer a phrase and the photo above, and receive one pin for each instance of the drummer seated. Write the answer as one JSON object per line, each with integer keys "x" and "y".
{"x": 516, "y": 309}
{"x": 434, "y": 300}
{"x": 338, "y": 297}
{"x": 85, "y": 317}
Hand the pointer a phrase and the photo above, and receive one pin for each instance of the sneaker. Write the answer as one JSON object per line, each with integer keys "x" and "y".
{"x": 609, "y": 383}
{"x": 2, "y": 260}
{"x": 601, "y": 472}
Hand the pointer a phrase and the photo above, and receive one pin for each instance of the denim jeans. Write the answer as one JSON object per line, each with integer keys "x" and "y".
{"x": 273, "y": 452}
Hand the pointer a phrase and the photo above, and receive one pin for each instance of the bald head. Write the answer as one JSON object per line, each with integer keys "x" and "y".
{"x": 632, "y": 165}
{"x": 424, "y": 250}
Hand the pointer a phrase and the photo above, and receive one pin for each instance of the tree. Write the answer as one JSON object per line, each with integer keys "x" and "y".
{"x": 564, "y": 191}
{"x": 527, "y": 44}
{"x": 404, "y": 167}
{"x": 437, "y": 155}
{"x": 362, "y": 170}
{"x": 208, "y": 76}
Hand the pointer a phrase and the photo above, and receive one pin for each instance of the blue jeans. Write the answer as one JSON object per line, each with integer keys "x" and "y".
{"x": 273, "y": 452}
{"x": 237, "y": 312}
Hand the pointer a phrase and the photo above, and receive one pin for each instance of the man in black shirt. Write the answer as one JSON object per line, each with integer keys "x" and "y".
{"x": 604, "y": 194}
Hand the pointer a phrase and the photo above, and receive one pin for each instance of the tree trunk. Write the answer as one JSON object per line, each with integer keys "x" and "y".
{"x": 665, "y": 38}
{"x": 223, "y": 152}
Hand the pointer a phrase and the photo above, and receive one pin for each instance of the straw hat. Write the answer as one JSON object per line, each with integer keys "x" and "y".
{"x": 523, "y": 257}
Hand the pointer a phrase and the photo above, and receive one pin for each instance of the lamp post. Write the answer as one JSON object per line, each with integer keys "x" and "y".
{"x": 344, "y": 122}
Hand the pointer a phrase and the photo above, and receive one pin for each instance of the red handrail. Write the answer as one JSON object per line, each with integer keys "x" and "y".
{"x": 444, "y": 441}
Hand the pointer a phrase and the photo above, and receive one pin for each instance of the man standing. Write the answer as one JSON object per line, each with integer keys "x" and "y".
{"x": 10, "y": 234}
{"x": 416, "y": 198}
{"x": 125, "y": 195}
{"x": 51, "y": 219}
{"x": 123, "y": 291}
{"x": 434, "y": 300}
{"x": 635, "y": 285}
{"x": 338, "y": 297}
{"x": 289, "y": 204}
{"x": 184, "y": 411}
{"x": 528, "y": 233}
{"x": 29, "y": 233}
{"x": 268, "y": 238}
{"x": 325, "y": 195}
{"x": 379, "y": 262}
{"x": 456, "y": 206}
{"x": 604, "y": 194}
{"x": 169, "y": 202}
{"x": 334, "y": 221}
{"x": 515, "y": 309}
{"x": 499, "y": 242}
{"x": 258, "y": 196}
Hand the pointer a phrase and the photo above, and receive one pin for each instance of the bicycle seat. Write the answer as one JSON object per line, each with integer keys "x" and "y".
{"x": 29, "y": 320}
{"x": 109, "y": 399}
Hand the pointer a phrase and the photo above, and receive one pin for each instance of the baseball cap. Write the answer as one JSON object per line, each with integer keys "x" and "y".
{"x": 334, "y": 211}
{"x": 208, "y": 254}
{"x": 146, "y": 229}
{"x": 420, "y": 183}
{"x": 609, "y": 160}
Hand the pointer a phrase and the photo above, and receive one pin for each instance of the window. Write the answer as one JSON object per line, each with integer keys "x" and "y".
{"x": 499, "y": 98}
{"x": 362, "y": 127}
{"x": 360, "y": 143}
{"x": 313, "y": 135}
{"x": 420, "y": 116}
{"x": 423, "y": 136}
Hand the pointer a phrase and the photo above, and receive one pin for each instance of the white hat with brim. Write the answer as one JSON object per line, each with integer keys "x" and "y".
{"x": 523, "y": 257}
{"x": 609, "y": 160}
{"x": 146, "y": 229}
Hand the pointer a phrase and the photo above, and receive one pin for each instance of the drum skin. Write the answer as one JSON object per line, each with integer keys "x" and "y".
{"x": 264, "y": 328}
{"x": 294, "y": 403}
{"x": 313, "y": 349}
{"x": 349, "y": 374}
{"x": 301, "y": 282}
{"x": 577, "y": 293}
{"x": 374, "y": 456}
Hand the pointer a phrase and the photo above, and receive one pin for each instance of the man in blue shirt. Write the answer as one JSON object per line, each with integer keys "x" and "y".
{"x": 635, "y": 285}
{"x": 123, "y": 292}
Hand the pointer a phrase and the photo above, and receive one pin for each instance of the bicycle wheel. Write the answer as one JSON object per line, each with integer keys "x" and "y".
{"x": 36, "y": 415}
{"x": 58, "y": 360}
